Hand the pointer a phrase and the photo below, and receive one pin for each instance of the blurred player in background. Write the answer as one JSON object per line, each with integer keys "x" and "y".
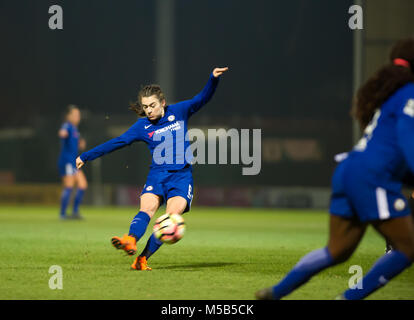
{"x": 367, "y": 183}
{"x": 166, "y": 182}
{"x": 70, "y": 143}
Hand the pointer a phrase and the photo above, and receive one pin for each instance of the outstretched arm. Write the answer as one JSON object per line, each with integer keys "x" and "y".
{"x": 195, "y": 104}
{"x": 133, "y": 134}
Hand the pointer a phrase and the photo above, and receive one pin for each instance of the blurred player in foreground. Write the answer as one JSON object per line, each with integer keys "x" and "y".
{"x": 162, "y": 127}
{"x": 366, "y": 185}
{"x": 70, "y": 142}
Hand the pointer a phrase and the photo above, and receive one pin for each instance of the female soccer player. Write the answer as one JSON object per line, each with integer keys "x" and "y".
{"x": 70, "y": 142}
{"x": 366, "y": 185}
{"x": 163, "y": 128}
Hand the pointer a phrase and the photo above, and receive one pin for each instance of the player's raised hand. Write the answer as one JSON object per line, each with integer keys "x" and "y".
{"x": 79, "y": 163}
{"x": 217, "y": 72}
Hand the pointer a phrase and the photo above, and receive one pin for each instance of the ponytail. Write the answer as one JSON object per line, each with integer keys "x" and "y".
{"x": 386, "y": 81}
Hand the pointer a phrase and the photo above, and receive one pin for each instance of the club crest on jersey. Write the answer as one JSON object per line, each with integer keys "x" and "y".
{"x": 149, "y": 188}
{"x": 171, "y": 118}
{"x": 399, "y": 204}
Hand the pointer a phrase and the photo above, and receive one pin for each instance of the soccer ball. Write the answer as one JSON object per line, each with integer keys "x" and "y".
{"x": 169, "y": 228}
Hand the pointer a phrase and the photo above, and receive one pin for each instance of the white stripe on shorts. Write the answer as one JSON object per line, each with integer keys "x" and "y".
{"x": 382, "y": 203}
{"x": 69, "y": 169}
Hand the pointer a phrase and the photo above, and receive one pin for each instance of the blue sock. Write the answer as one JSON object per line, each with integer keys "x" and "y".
{"x": 64, "y": 201}
{"x": 307, "y": 267}
{"x": 78, "y": 200}
{"x": 386, "y": 268}
{"x": 153, "y": 245}
{"x": 139, "y": 225}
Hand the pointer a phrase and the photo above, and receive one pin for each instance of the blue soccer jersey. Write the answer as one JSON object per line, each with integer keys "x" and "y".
{"x": 170, "y": 171}
{"x": 69, "y": 150}
{"x": 368, "y": 182}
{"x": 165, "y": 137}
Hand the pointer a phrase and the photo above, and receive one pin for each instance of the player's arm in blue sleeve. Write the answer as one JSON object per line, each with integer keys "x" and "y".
{"x": 204, "y": 96}
{"x": 131, "y": 135}
{"x": 64, "y": 131}
{"x": 405, "y": 133}
{"x": 189, "y": 107}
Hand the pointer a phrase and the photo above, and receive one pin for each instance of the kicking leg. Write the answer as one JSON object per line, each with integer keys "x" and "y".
{"x": 400, "y": 232}
{"x": 149, "y": 205}
{"x": 344, "y": 237}
{"x": 175, "y": 205}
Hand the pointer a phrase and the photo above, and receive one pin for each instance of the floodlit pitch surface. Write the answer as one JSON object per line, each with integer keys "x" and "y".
{"x": 226, "y": 253}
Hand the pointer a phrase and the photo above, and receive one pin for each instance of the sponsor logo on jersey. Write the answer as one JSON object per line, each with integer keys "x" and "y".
{"x": 146, "y": 127}
{"x": 174, "y": 126}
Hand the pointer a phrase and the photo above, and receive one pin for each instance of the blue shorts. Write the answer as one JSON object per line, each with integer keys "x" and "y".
{"x": 67, "y": 169}
{"x": 358, "y": 194}
{"x": 171, "y": 183}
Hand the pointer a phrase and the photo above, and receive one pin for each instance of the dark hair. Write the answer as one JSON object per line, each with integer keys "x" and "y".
{"x": 384, "y": 82}
{"x": 70, "y": 108}
{"x": 147, "y": 91}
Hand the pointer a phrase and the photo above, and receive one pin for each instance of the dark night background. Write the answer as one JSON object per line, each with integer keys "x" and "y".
{"x": 290, "y": 75}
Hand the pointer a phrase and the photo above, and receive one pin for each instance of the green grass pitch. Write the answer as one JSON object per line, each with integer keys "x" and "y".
{"x": 225, "y": 254}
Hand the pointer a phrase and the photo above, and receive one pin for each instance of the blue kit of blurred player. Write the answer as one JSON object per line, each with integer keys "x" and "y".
{"x": 367, "y": 183}
{"x": 71, "y": 142}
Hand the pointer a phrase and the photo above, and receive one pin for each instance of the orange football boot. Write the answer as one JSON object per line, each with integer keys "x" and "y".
{"x": 140, "y": 263}
{"x": 126, "y": 243}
